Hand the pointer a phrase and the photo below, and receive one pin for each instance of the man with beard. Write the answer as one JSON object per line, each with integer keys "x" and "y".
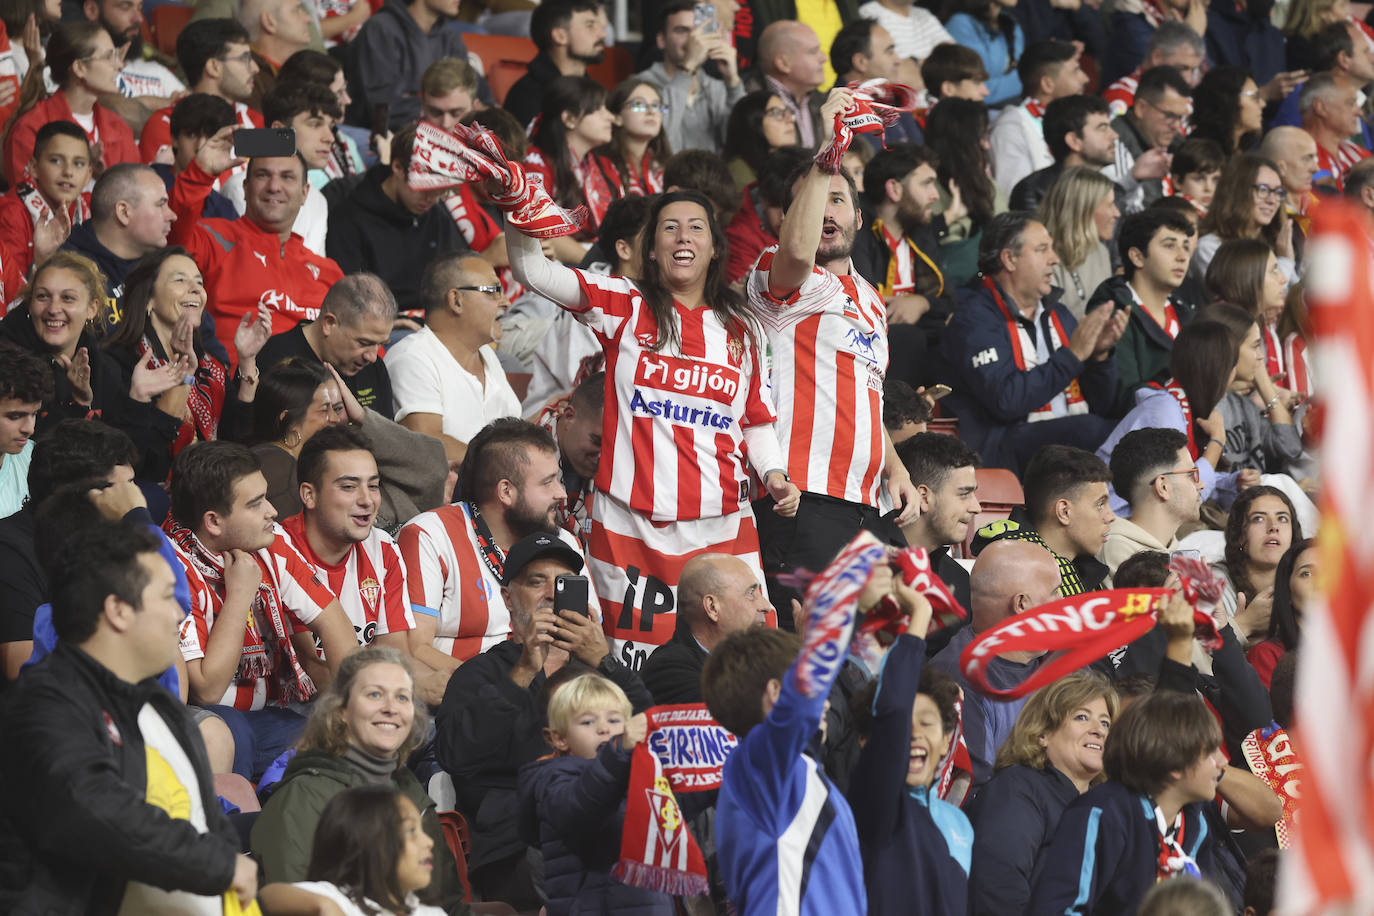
{"x": 1078, "y": 131}
{"x": 827, "y": 331}
{"x": 509, "y": 488}
{"x": 1049, "y": 70}
{"x": 570, "y": 35}
{"x": 144, "y": 80}
{"x": 1025, "y": 373}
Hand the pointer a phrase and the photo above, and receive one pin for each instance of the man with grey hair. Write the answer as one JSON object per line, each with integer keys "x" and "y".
{"x": 1173, "y": 44}
{"x": 716, "y": 596}
{"x": 355, "y": 321}
{"x": 1008, "y": 578}
{"x": 276, "y": 29}
{"x": 1330, "y": 111}
{"x": 448, "y": 383}
{"x": 1025, "y": 372}
{"x": 792, "y": 63}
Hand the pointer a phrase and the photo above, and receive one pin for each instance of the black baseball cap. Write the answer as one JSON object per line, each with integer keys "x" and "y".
{"x": 536, "y": 547}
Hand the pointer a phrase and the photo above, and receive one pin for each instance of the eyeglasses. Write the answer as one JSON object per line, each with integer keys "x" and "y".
{"x": 114, "y": 54}
{"x": 245, "y": 58}
{"x": 641, "y": 107}
{"x": 1263, "y": 191}
{"x": 491, "y": 290}
{"x": 1192, "y": 472}
{"x": 780, "y": 114}
{"x": 1252, "y": 94}
{"x": 1169, "y": 116}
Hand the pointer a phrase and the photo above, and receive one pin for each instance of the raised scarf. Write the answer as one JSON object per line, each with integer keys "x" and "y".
{"x": 683, "y": 751}
{"x": 204, "y": 402}
{"x": 1176, "y": 391}
{"x": 269, "y": 653}
{"x": 1270, "y": 755}
{"x": 876, "y": 106}
{"x": 37, "y": 206}
{"x": 443, "y": 160}
{"x": 1088, "y": 627}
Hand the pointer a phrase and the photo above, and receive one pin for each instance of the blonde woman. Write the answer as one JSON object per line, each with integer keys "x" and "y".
{"x": 1053, "y": 755}
{"x": 1080, "y": 213}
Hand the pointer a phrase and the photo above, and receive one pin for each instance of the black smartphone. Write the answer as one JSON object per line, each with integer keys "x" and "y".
{"x": 265, "y": 142}
{"x": 381, "y": 114}
{"x": 570, "y": 594}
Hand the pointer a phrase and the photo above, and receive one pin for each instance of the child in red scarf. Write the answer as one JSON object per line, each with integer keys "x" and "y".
{"x": 38, "y": 213}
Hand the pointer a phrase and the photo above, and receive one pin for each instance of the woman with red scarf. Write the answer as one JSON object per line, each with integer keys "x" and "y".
{"x": 573, "y": 122}
{"x": 164, "y": 296}
{"x": 638, "y": 149}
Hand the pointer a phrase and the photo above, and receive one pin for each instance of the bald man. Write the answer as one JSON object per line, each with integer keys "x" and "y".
{"x": 1008, "y": 578}
{"x": 793, "y": 66}
{"x": 1295, "y": 153}
{"x": 446, "y": 381}
{"x": 717, "y": 595}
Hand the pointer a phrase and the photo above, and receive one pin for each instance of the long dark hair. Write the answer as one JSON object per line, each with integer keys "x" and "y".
{"x": 1216, "y": 107}
{"x": 577, "y": 95}
{"x": 358, "y": 844}
{"x": 1236, "y": 273}
{"x": 1283, "y": 620}
{"x": 617, "y": 149}
{"x": 954, "y": 131}
{"x": 284, "y": 396}
{"x": 1234, "y": 203}
{"x": 1237, "y": 565}
{"x": 1204, "y": 353}
{"x": 140, "y": 286}
{"x": 990, "y": 15}
{"x": 728, "y": 305}
{"x": 744, "y": 137}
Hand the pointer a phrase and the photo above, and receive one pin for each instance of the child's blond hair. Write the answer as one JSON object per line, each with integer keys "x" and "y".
{"x": 582, "y": 693}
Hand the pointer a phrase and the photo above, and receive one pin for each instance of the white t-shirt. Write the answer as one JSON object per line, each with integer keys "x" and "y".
{"x": 148, "y": 78}
{"x": 913, "y": 35}
{"x": 425, "y": 378}
{"x": 173, "y": 787}
{"x": 349, "y": 908}
{"x": 312, "y": 222}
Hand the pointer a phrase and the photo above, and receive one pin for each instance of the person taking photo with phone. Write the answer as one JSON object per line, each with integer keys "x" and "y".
{"x": 490, "y": 723}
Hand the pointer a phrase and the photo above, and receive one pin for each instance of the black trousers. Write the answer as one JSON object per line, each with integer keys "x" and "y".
{"x": 810, "y": 540}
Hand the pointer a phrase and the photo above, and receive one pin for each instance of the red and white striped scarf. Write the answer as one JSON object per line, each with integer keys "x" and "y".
{"x": 204, "y": 403}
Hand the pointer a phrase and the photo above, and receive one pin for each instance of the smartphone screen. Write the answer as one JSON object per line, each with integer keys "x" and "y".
{"x": 570, "y": 594}
{"x": 705, "y": 16}
{"x": 265, "y": 142}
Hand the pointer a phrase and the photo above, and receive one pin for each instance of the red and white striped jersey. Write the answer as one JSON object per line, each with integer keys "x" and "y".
{"x": 301, "y": 593}
{"x": 448, "y": 580}
{"x": 1341, "y": 162}
{"x": 1120, "y": 95}
{"x": 370, "y": 582}
{"x": 672, "y": 434}
{"x": 828, "y": 355}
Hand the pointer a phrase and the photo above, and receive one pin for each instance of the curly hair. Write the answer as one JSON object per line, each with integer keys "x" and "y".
{"x": 1216, "y": 107}
{"x": 1046, "y": 710}
{"x": 327, "y": 728}
{"x": 1237, "y": 565}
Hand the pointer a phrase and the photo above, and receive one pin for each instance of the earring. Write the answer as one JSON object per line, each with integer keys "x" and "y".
{"x": 286, "y": 440}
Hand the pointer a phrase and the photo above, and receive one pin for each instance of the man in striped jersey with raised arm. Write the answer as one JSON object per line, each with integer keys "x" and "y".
{"x": 827, "y": 333}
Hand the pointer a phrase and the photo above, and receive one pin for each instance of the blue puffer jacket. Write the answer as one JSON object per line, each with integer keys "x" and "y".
{"x": 1004, "y": 84}
{"x": 573, "y": 808}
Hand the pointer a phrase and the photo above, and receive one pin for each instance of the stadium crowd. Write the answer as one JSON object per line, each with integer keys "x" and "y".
{"x": 368, "y": 546}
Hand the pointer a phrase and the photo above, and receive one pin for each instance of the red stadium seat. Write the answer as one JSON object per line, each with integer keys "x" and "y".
{"x": 947, "y": 426}
{"x": 999, "y": 488}
{"x": 617, "y": 65}
{"x": 455, "y": 828}
{"x": 505, "y": 59}
{"x": 165, "y": 24}
{"x": 519, "y": 383}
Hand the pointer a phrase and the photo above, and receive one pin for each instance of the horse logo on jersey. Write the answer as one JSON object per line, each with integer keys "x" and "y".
{"x": 734, "y": 349}
{"x": 372, "y": 593}
{"x": 862, "y": 344}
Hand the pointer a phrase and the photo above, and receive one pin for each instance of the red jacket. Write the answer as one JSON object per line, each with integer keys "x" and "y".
{"x": 748, "y": 235}
{"x": 245, "y": 264}
{"x": 111, "y": 131}
{"x": 157, "y": 132}
{"x": 16, "y": 243}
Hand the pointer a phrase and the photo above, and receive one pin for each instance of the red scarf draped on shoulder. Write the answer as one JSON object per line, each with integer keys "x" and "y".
{"x": 205, "y": 402}
{"x": 1181, "y": 396}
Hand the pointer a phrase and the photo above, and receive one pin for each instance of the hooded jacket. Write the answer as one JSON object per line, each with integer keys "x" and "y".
{"x": 393, "y": 53}
{"x": 1142, "y": 354}
{"x": 284, "y": 831}
{"x": 370, "y": 232}
{"x": 78, "y": 826}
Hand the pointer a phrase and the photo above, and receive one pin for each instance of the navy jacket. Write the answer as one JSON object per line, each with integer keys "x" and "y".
{"x": 908, "y": 840}
{"x": 1127, "y": 41}
{"x": 1014, "y": 816}
{"x": 990, "y": 393}
{"x": 1237, "y": 39}
{"x": 1105, "y": 853}
{"x": 573, "y": 809}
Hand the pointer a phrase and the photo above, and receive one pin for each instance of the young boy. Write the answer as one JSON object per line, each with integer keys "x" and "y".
{"x": 25, "y": 383}
{"x": 37, "y": 215}
{"x": 573, "y": 804}
{"x": 916, "y": 847}
{"x": 784, "y": 834}
{"x": 1195, "y": 168}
